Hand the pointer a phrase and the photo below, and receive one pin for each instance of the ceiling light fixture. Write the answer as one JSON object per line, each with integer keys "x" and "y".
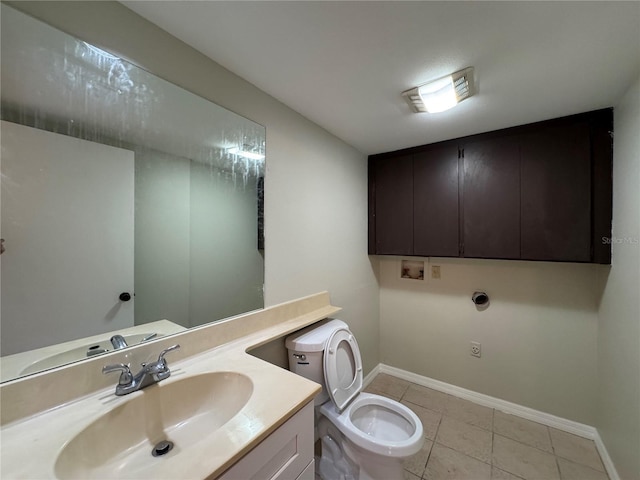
{"x": 245, "y": 153}
{"x": 441, "y": 94}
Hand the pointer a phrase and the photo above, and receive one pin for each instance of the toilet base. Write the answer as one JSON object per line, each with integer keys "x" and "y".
{"x": 343, "y": 460}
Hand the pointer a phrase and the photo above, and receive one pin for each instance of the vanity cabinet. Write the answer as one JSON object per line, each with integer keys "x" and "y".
{"x": 286, "y": 454}
{"x": 535, "y": 192}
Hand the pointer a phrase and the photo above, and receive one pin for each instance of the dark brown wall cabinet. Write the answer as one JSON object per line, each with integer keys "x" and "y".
{"x": 491, "y": 198}
{"x": 435, "y": 194}
{"x": 556, "y": 194}
{"x": 393, "y": 205}
{"x": 535, "y": 192}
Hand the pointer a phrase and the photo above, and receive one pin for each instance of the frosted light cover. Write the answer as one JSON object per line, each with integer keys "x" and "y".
{"x": 439, "y": 95}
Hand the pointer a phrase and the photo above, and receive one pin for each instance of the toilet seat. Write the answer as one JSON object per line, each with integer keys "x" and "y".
{"x": 372, "y": 422}
{"x": 370, "y": 429}
{"x": 342, "y": 365}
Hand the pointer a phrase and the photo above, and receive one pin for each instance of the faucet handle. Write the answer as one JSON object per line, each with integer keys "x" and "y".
{"x": 125, "y": 372}
{"x": 161, "y": 359}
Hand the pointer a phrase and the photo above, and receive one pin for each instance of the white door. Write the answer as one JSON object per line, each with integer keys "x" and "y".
{"x": 67, "y": 223}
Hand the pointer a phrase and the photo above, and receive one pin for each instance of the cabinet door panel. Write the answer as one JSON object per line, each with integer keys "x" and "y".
{"x": 556, "y": 194}
{"x": 394, "y": 205}
{"x": 435, "y": 202}
{"x": 284, "y": 454}
{"x": 491, "y": 198}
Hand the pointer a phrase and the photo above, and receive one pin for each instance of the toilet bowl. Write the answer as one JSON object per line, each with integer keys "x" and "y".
{"x": 378, "y": 424}
{"x": 364, "y": 436}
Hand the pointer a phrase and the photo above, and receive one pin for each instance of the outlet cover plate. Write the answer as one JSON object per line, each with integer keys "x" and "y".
{"x": 476, "y": 349}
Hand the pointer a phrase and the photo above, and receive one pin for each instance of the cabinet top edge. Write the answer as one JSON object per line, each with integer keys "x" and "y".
{"x": 602, "y": 118}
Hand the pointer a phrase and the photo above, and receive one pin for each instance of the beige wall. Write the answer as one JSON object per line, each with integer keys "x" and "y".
{"x": 316, "y": 198}
{"x": 538, "y": 335}
{"x": 618, "y": 419}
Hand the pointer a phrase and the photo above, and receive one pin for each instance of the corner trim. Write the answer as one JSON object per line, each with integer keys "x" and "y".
{"x": 569, "y": 426}
{"x": 606, "y": 459}
{"x": 371, "y": 375}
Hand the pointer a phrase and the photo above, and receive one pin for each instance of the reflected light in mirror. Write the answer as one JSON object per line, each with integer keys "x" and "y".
{"x": 191, "y": 250}
{"x": 245, "y": 153}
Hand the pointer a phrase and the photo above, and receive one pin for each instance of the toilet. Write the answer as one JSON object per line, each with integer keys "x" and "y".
{"x": 364, "y": 436}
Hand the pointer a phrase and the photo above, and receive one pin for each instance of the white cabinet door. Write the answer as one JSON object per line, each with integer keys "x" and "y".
{"x": 309, "y": 473}
{"x": 283, "y": 455}
{"x": 67, "y": 220}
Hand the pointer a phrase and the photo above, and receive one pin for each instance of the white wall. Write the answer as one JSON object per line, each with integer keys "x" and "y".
{"x": 53, "y": 227}
{"x": 227, "y": 270}
{"x": 538, "y": 335}
{"x": 162, "y": 237}
{"x": 618, "y": 419}
{"x": 315, "y": 186}
{"x": 199, "y": 224}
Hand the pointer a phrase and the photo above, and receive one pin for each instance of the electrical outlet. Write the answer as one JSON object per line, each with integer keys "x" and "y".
{"x": 476, "y": 349}
{"x": 435, "y": 271}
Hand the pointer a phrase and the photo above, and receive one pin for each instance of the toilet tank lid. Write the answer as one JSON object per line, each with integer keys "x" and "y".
{"x": 314, "y": 337}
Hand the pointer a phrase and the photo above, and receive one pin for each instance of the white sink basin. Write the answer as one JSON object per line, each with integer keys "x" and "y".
{"x": 119, "y": 444}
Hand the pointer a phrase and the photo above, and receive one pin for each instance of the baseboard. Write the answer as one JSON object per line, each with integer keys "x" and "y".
{"x": 367, "y": 380}
{"x": 547, "y": 419}
{"x": 606, "y": 459}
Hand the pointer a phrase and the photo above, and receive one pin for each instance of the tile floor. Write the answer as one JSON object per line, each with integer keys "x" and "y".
{"x": 467, "y": 441}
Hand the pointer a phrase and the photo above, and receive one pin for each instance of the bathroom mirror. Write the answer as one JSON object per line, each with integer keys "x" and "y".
{"x": 129, "y": 206}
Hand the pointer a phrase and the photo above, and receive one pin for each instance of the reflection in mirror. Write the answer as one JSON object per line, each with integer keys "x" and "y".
{"x": 129, "y": 206}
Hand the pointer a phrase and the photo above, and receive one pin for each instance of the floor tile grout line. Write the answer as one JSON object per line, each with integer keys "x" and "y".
{"x": 555, "y": 455}
{"x": 507, "y": 471}
{"x": 558, "y": 457}
{"x": 582, "y": 464}
{"x": 525, "y": 444}
{"x": 489, "y": 464}
{"x": 558, "y": 467}
{"x": 553, "y": 448}
{"x": 433, "y": 444}
{"x": 422, "y": 406}
{"x": 424, "y": 469}
{"x": 493, "y": 434}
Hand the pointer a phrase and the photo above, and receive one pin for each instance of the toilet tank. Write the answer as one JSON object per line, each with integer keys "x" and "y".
{"x": 305, "y": 352}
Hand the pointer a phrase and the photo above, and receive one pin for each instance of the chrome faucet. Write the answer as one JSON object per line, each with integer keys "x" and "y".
{"x": 118, "y": 342}
{"x": 151, "y": 373}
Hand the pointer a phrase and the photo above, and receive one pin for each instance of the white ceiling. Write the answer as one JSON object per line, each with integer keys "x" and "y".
{"x": 344, "y": 65}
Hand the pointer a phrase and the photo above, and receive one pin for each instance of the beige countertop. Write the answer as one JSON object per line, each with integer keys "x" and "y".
{"x": 33, "y": 436}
